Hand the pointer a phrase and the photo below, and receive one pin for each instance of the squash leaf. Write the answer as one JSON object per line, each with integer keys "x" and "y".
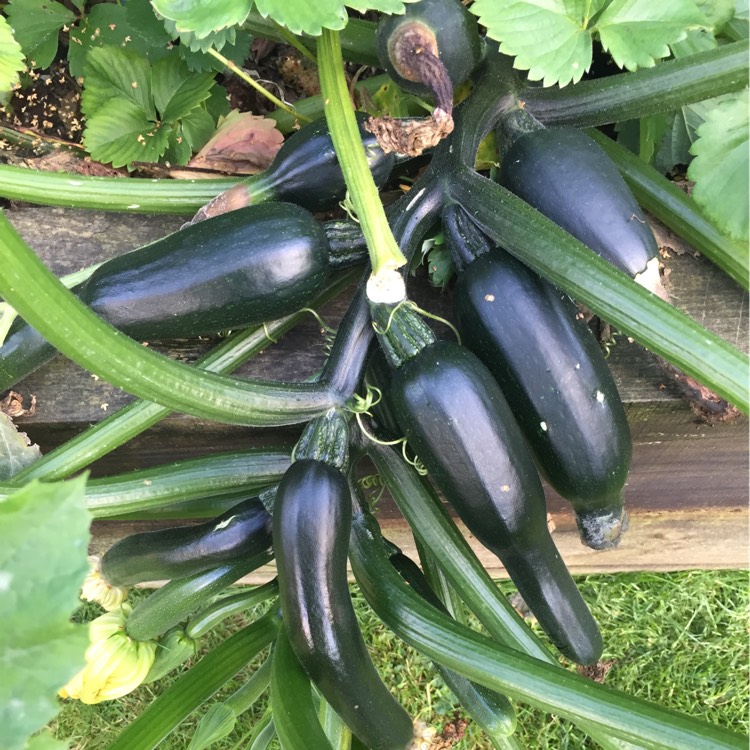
{"x": 721, "y": 163}
{"x": 43, "y": 561}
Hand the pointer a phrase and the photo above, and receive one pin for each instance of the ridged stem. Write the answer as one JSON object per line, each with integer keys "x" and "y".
{"x": 648, "y": 91}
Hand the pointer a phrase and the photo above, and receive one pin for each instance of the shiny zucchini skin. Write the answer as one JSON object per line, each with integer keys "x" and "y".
{"x": 566, "y": 176}
{"x": 553, "y": 373}
{"x": 459, "y": 424}
{"x": 456, "y": 34}
{"x": 306, "y": 169}
{"x": 165, "y": 554}
{"x": 311, "y": 523}
{"x": 237, "y": 269}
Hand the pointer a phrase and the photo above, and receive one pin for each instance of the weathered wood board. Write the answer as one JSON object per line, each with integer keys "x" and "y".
{"x": 688, "y": 488}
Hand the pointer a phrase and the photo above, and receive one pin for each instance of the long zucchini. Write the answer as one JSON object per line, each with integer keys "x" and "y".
{"x": 553, "y": 373}
{"x": 456, "y": 419}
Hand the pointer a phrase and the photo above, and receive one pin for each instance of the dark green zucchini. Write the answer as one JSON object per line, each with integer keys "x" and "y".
{"x": 553, "y": 373}
{"x": 567, "y": 177}
{"x": 457, "y": 420}
{"x": 165, "y": 554}
{"x": 238, "y": 269}
{"x": 451, "y": 33}
{"x": 312, "y": 517}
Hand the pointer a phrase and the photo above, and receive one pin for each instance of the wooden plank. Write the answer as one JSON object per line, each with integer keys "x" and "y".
{"x": 688, "y": 488}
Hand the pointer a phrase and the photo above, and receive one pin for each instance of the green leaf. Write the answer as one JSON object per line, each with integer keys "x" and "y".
{"x": 119, "y": 133}
{"x": 114, "y": 74}
{"x": 237, "y": 52}
{"x": 176, "y": 90}
{"x": 720, "y": 167}
{"x": 303, "y": 17}
{"x": 439, "y": 266}
{"x": 549, "y": 38}
{"x": 108, "y": 25}
{"x": 197, "y": 127}
{"x": 637, "y": 33}
{"x": 739, "y": 27}
{"x": 178, "y": 149}
{"x": 36, "y": 25}
{"x": 203, "y": 18}
{"x": 215, "y": 40}
{"x": 43, "y": 559}
{"x": 214, "y": 725}
{"x": 16, "y": 450}
{"x": 143, "y": 20}
{"x": 11, "y": 58}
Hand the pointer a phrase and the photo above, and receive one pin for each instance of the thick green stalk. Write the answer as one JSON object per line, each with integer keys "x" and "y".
{"x": 648, "y": 91}
{"x": 521, "y": 677}
{"x": 138, "y": 416}
{"x": 385, "y": 254}
{"x": 183, "y": 697}
{"x": 77, "y": 332}
{"x": 608, "y": 292}
{"x": 133, "y": 195}
{"x": 676, "y": 210}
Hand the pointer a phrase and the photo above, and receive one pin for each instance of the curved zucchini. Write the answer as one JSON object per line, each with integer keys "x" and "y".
{"x": 311, "y": 521}
{"x": 554, "y": 375}
{"x": 567, "y": 177}
{"x": 245, "y": 267}
{"x": 453, "y": 37}
{"x": 165, "y": 554}
{"x": 458, "y": 422}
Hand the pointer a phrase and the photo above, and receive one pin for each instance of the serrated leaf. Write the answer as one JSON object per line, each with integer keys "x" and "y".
{"x": 549, "y": 38}
{"x": 302, "y": 17}
{"x": 178, "y": 149}
{"x": 197, "y": 128}
{"x": 120, "y": 133}
{"x": 108, "y": 25}
{"x": 637, "y": 33}
{"x": 237, "y": 52}
{"x": 384, "y": 6}
{"x": 143, "y": 20}
{"x": 43, "y": 561}
{"x": 11, "y": 58}
{"x": 202, "y": 18}
{"x": 215, "y": 40}
{"x": 696, "y": 40}
{"x": 114, "y": 73}
{"x": 36, "y": 25}
{"x": 716, "y": 13}
{"x": 721, "y": 164}
{"x": 739, "y": 27}
{"x": 176, "y": 90}
{"x": 16, "y": 450}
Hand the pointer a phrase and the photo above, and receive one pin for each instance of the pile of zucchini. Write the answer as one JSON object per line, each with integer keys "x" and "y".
{"x": 523, "y": 392}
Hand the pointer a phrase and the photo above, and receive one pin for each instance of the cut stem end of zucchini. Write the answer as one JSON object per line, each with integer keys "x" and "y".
{"x": 602, "y": 529}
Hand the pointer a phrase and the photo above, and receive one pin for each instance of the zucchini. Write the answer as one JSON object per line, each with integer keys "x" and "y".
{"x": 449, "y": 31}
{"x": 456, "y": 419}
{"x": 311, "y": 521}
{"x": 177, "y": 552}
{"x": 238, "y": 269}
{"x": 552, "y": 372}
{"x": 566, "y": 176}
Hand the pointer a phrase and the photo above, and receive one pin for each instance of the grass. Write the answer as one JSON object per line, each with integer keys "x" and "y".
{"x": 680, "y": 639}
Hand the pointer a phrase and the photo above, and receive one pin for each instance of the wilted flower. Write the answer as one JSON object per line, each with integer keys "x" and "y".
{"x": 115, "y": 663}
{"x": 96, "y": 588}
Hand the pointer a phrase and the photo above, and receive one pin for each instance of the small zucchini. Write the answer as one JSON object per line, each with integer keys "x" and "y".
{"x": 312, "y": 517}
{"x": 553, "y": 373}
{"x": 456, "y": 419}
{"x": 566, "y": 176}
{"x": 166, "y": 554}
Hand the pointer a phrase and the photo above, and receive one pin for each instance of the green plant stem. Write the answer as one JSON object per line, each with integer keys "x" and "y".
{"x": 521, "y": 677}
{"x": 608, "y": 292}
{"x": 183, "y": 697}
{"x": 357, "y": 38}
{"x": 384, "y": 252}
{"x": 677, "y": 211}
{"x": 141, "y": 196}
{"x": 648, "y": 91}
{"x": 78, "y": 333}
{"x": 250, "y": 81}
{"x": 138, "y": 416}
